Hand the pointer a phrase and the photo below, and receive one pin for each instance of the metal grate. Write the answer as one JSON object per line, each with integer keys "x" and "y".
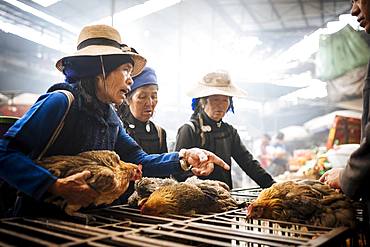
{"x": 125, "y": 226}
{"x": 246, "y": 195}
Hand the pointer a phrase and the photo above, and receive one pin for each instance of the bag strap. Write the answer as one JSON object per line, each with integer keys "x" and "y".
{"x": 201, "y": 133}
{"x": 54, "y": 136}
{"x": 159, "y": 131}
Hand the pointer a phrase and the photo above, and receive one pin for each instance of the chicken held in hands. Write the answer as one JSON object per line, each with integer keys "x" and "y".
{"x": 110, "y": 176}
{"x": 306, "y": 201}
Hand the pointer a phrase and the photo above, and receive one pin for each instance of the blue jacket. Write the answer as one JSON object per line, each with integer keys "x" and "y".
{"x": 83, "y": 130}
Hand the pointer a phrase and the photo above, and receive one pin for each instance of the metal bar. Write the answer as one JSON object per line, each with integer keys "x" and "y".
{"x": 262, "y": 228}
{"x": 46, "y": 232}
{"x": 212, "y": 241}
{"x": 139, "y": 217}
{"x": 154, "y": 242}
{"x": 238, "y": 232}
{"x": 73, "y": 227}
{"x": 330, "y": 238}
{"x": 243, "y": 236}
{"x": 25, "y": 237}
{"x": 192, "y": 237}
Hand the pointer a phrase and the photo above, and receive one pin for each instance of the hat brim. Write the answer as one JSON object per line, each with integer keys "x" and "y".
{"x": 201, "y": 90}
{"x": 100, "y": 50}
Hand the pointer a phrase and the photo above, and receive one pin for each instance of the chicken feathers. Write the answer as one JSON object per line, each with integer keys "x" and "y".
{"x": 145, "y": 187}
{"x": 190, "y": 197}
{"x": 307, "y": 201}
{"x": 110, "y": 176}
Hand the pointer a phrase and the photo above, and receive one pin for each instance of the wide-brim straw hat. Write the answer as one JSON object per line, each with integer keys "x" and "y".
{"x": 216, "y": 83}
{"x": 103, "y": 40}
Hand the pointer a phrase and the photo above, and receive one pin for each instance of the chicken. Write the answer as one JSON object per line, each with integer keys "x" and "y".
{"x": 306, "y": 201}
{"x": 145, "y": 187}
{"x": 190, "y": 197}
{"x": 109, "y": 175}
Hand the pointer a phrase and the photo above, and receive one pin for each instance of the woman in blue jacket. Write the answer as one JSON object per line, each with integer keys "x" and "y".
{"x": 98, "y": 75}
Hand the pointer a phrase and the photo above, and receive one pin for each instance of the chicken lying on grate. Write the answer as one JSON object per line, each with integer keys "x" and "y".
{"x": 110, "y": 176}
{"x": 145, "y": 187}
{"x": 306, "y": 201}
{"x": 190, "y": 197}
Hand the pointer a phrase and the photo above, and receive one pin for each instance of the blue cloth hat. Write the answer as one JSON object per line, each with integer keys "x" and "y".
{"x": 76, "y": 68}
{"x": 146, "y": 77}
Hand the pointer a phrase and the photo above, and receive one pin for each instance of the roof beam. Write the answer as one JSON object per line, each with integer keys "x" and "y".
{"x": 277, "y": 13}
{"x": 322, "y": 12}
{"x": 228, "y": 20}
{"x": 303, "y": 12}
{"x": 252, "y": 15}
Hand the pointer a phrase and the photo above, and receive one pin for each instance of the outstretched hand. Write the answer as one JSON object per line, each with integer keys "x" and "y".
{"x": 331, "y": 178}
{"x": 203, "y": 161}
{"x": 74, "y": 189}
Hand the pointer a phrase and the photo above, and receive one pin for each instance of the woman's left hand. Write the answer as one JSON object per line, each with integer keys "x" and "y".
{"x": 203, "y": 161}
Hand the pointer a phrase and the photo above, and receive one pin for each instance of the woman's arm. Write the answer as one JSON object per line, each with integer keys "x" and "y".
{"x": 249, "y": 165}
{"x": 23, "y": 143}
{"x": 25, "y": 140}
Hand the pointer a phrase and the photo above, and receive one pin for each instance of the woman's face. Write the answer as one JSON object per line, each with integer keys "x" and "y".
{"x": 361, "y": 9}
{"x": 216, "y": 106}
{"x": 116, "y": 85}
{"x": 143, "y": 101}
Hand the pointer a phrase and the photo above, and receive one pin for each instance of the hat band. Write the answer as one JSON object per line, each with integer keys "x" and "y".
{"x": 99, "y": 41}
{"x": 105, "y": 42}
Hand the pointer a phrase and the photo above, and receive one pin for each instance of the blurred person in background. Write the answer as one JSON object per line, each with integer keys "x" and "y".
{"x": 263, "y": 150}
{"x": 98, "y": 76}
{"x": 139, "y": 109}
{"x": 279, "y": 161}
{"x": 212, "y": 98}
{"x": 354, "y": 180}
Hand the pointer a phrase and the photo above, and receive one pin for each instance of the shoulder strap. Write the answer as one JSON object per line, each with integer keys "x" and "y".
{"x": 61, "y": 124}
{"x": 191, "y": 124}
{"x": 201, "y": 133}
{"x": 159, "y": 131}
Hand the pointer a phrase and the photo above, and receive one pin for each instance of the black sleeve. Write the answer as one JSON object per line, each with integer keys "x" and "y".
{"x": 354, "y": 179}
{"x": 164, "y": 148}
{"x": 249, "y": 165}
{"x": 186, "y": 138}
{"x": 365, "y": 103}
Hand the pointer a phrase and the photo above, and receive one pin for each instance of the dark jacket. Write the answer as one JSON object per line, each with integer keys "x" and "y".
{"x": 223, "y": 140}
{"x": 354, "y": 179}
{"x": 146, "y": 135}
{"x": 83, "y": 131}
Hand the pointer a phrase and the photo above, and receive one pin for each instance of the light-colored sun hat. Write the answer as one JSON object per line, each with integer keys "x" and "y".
{"x": 102, "y": 40}
{"x": 217, "y": 82}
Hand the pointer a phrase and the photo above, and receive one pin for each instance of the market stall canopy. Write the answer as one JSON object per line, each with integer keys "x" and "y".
{"x": 266, "y": 91}
{"x": 325, "y": 122}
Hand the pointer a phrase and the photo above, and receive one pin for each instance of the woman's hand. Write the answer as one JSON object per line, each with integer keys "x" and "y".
{"x": 202, "y": 161}
{"x": 331, "y": 178}
{"x": 74, "y": 189}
